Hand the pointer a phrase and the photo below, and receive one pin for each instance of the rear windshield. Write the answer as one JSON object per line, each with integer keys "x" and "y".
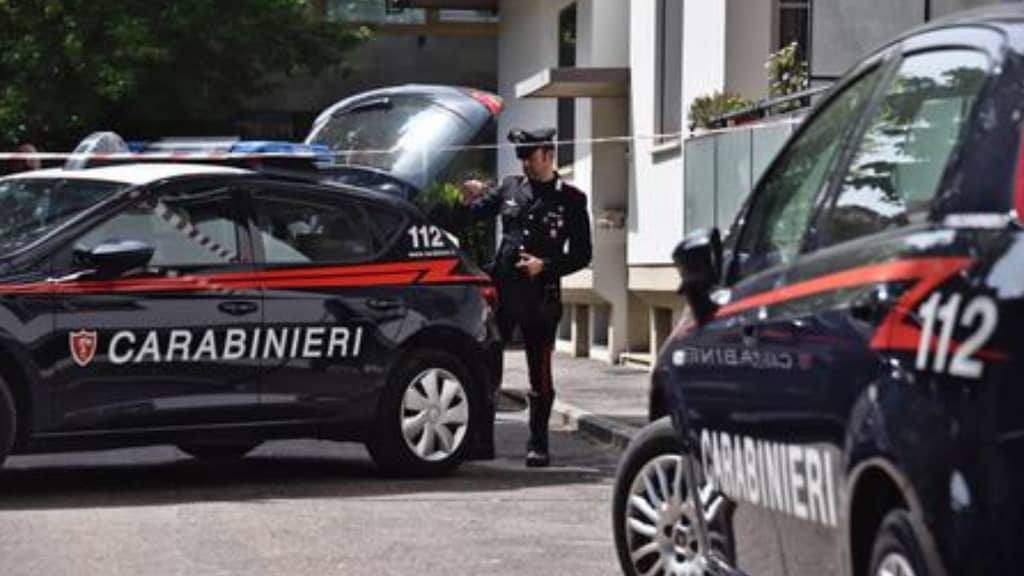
{"x": 397, "y": 134}
{"x": 31, "y": 208}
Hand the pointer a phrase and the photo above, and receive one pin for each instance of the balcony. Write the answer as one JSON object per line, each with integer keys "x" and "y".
{"x": 722, "y": 166}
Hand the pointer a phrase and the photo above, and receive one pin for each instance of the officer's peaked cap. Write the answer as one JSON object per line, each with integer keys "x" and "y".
{"x": 527, "y": 141}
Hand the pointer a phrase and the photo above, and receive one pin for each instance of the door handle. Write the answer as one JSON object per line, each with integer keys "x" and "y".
{"x": 237, "y": 308}
{"x": 749, "y": 332}
{"x": 384, "y": 304}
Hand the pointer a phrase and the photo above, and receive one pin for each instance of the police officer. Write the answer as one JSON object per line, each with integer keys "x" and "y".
{"x": 545, "y": 235}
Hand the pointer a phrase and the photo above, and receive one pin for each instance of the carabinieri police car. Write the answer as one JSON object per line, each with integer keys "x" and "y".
{"x": 846, "y": 397}
{"x": 215, "y": 307}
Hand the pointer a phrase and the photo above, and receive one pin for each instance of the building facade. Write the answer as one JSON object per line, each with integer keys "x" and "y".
{"x": 617, "y": 78}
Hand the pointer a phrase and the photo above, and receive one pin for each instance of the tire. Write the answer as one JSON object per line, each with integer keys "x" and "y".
{"x": 897, "y": 549}
{"x": 217, "y": 452}
{"x": 657, "y": 446}
{"x": 8, "y": 421}
{"x": 416, "y": 433}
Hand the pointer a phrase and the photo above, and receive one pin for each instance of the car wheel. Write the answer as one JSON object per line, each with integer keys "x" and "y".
{"x": 426, "y": 417}
{"x": 215, "y": 452}
{"x": 654, "y": 510}
{"x": 8, "y": 421}
{"x": 896, "y": 551}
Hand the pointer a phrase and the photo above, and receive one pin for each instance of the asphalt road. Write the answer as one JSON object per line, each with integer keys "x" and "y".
{"x": 307, "y": 507}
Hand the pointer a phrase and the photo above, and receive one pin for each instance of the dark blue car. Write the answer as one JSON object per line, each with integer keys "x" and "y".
{"x": 214, "y": 307}
{"x": 842, "y": 398}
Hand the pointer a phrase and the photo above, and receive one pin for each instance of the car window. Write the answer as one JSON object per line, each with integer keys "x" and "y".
{"x": 311, "y": 229}
{"x": 32, "y": 208}
{"x": 897, "y": 165}
{"x": 396, "y": 133}
{"x": 384, "y": 223}
{"x": 782, "y": 207}
{"x": 196, "y": 228}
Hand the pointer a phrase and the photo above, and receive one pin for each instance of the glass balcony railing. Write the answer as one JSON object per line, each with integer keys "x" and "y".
{"x": 722, "y": 166}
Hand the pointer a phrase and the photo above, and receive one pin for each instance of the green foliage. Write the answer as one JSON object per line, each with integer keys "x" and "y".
{"x": 148, "y": 69}
{"x": 438, "y": 201}
{"x": 704, "y": 109}
{"x": 787, "y": 71}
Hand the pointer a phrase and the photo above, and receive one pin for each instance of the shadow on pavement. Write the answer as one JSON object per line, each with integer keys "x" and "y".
{"x": 280, "y": 470}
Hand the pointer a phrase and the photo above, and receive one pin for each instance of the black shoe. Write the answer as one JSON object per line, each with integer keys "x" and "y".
{"x": 537, "y": 459}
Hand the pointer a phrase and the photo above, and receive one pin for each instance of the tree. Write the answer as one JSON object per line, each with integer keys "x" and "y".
{"x": 150, "y": 68}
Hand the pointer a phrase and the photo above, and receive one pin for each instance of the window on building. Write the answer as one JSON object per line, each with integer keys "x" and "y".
{"x": 669, "y": 104}
{"x": 373, "y": 12}
{"x": 567, "y": 106}
{"x": 795, "y": 26}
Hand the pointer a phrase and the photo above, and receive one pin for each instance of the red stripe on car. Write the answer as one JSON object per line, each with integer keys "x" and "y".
{"x": 402, "y": 273}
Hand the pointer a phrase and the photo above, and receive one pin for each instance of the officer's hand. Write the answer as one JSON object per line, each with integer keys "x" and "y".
{"x": 530, "y": 264}
{"x": 471, "y": 190}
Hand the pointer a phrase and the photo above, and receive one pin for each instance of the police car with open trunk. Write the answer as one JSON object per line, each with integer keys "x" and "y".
{"x": 214, "y": 307}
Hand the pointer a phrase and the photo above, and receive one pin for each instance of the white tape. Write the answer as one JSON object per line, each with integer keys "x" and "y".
{"x": 653, "y": 138}
{"x": 249, "y": 155}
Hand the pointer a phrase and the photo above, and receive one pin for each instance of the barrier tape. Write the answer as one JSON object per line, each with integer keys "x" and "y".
{"x": 183, "y": 155}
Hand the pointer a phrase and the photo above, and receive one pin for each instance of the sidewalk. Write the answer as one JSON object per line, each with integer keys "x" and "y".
{"x": 601, "y": 400}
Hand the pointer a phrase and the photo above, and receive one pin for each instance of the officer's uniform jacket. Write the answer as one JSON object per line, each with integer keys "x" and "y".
{"x": 554, "y": 227}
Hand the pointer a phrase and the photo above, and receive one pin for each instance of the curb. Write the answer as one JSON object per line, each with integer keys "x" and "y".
{"x": 599, "y": 428}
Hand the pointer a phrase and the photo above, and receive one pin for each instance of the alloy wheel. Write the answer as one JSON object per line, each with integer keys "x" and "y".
{"x": 662, "y": 524}
{"x": 434, "y": 414}
{"x": 895, "y": 564}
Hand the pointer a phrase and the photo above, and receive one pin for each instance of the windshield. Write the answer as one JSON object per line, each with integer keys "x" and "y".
{"x": 31, "y": 208}
{"x": 407, "y": 136}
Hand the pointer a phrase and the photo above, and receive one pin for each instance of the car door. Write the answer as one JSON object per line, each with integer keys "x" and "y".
{"x": 747, "y": 387}
{"x": 333, "y": 308}
{"x": 164, "y": 343}
{"x": 733, "y": 369}
{"x": 875, "y": 246}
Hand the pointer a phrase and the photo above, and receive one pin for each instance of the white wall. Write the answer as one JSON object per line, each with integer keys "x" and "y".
{"x": 655, "y": 213}
{"x": 527, "y": 44}
{"x": 704, "y": 41}
{"x": 602, "y": 41}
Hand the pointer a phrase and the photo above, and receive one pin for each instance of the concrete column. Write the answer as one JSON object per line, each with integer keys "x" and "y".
{"x": 581, "y": 330}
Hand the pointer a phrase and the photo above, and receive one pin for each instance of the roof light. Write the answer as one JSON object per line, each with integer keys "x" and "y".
{"x": 94, "y": 145}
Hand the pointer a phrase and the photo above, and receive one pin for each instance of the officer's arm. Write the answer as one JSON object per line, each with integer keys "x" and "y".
{"x": 580, "y": 250}
{"x": 485, "y": 207}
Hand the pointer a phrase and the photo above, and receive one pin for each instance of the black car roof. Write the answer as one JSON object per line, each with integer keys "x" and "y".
{"x": 313, "y": 180}
{"x": 213, "y": 171}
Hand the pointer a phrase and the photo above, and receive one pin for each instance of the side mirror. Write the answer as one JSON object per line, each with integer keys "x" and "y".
{"x": 115, "y": 257}
{"x": 699, "y": 261}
